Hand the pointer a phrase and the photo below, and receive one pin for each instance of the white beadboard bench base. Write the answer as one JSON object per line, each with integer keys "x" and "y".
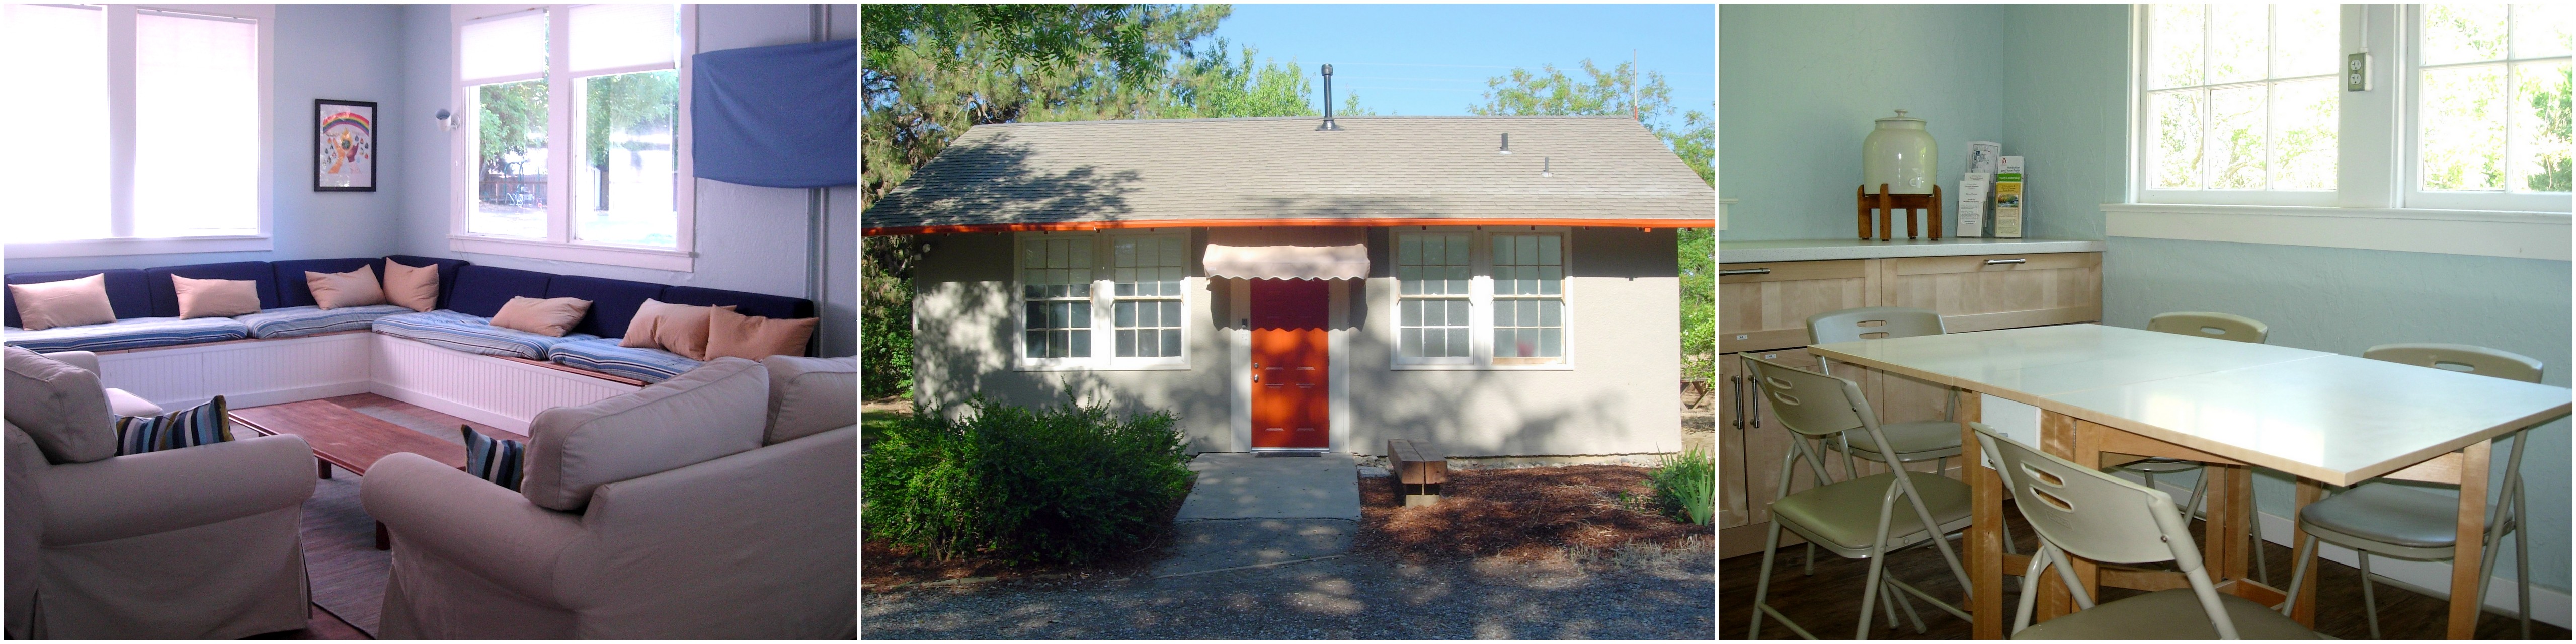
{"x": 485, "y": 389}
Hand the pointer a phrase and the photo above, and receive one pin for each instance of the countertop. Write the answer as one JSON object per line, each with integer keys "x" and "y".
{"x": 1796, "y": 250}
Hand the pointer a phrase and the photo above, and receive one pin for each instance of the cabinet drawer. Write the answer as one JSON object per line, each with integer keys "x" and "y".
{"x": 1764, "y": 305}
{"x": 1983, "y": 292}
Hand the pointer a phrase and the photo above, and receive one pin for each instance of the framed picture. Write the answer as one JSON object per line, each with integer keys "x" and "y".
{"x": 344, "y": 146}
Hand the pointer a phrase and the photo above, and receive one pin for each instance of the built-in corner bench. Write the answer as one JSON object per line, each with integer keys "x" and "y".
{"x": 448, "y": 359}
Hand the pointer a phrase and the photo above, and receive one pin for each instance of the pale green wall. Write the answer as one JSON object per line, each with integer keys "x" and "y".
{"x": 1800, "y": 85}
{"x": 1785, "y": 73}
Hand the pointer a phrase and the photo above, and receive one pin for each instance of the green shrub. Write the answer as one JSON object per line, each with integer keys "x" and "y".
{"x": 1065, "y": 484}
{"x": 1686, "y": 485}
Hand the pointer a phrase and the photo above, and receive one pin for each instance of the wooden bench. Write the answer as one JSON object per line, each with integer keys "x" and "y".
{"x": 1420, "y": 468}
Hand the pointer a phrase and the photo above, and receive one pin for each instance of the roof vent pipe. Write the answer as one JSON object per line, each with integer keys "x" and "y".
{"x": 1328, "y": 102}
{"x": 1543, "y": 164}
{"x": 1507, "y": 143}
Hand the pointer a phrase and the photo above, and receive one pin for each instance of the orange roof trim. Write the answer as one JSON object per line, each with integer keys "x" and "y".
{"x": 1247, "y": 223}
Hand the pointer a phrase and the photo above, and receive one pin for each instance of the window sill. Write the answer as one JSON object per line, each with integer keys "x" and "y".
{"x": 2527, "y": 235}
{"x": 141, "y": 246}
{"x": 1168, "y": 366}
{"x": 652, "y": 258}
{"x": 1477, "y": 367}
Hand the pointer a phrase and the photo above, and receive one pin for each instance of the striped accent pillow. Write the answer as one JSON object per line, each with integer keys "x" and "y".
{"x": 492, "y": 459}
{"x": 203, "y": 425}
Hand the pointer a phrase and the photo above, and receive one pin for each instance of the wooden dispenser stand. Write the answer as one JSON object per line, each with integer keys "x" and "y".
{"x": 1887, "y": 204}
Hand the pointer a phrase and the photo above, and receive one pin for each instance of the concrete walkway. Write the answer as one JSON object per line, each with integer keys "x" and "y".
{"x": 1249, "y": 510}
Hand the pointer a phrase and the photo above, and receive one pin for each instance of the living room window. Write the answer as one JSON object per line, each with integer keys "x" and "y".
{"x": 2490, "y": 125}
{"x": 1103, "y": 300}
{"x": 587, "y": 93}
{"x": 1469, "y": 299}
{"x": 2240, "y": 103}
{"x": 152, "y": 133}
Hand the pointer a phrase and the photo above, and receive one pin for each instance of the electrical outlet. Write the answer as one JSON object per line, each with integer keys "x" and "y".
{"x": 2356, "y": 72}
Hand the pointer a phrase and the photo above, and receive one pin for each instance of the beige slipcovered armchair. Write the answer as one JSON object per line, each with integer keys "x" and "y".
{"x": 200, "y": 542}
{"x": 708, "y": 505}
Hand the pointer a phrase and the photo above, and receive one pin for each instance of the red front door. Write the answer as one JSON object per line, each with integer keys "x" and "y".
{"x": 1291, "y": 354}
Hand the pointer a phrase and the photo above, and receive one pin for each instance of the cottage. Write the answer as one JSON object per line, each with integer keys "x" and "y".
{"x": 1504, "y": 286}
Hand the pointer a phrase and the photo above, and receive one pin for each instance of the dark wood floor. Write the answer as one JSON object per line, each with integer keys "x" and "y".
{"x": 1828, "y": 603}
{"x": 323, "y": 626}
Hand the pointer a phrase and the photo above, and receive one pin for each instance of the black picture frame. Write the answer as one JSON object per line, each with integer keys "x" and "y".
{"x": 344, "y": 134}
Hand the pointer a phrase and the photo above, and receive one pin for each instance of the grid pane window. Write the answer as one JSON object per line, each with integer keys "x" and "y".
{"x": 1432, "y": 275}
{"x": 196, "y": 126}
{"x": 1529, "y": 296}
{"x": 627, "y": 177}
{"x": 1146, "y": 285}
{"x": 2493, "y": 89}
{"x": 57, "y": 182}
{"x": 2242, "y": 97}
{"x": 1055, "y": 275}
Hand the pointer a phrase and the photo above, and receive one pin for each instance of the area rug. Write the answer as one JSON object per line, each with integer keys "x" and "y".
{"x": 340, "y": 554}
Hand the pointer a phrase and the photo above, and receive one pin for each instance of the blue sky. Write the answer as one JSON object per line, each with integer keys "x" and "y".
{"x": 1433, "y": 59}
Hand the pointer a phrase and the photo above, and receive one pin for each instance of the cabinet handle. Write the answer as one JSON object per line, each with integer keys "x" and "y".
{"x": 2015, "y": 260}
{"x": 1735, "y": 417}
{"x": 1756, "y": 386}
{"x": 1745, "y": 271}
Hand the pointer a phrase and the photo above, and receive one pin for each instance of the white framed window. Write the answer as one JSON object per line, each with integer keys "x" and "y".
{"x": 1479, "y": 299}
{"x": 2489, "y": 126}
{"x": 153, "y": 133}
{"x": 1104, "y": 301}
{"x": 568, "y": 143}
{"x": 2464, "y": 119}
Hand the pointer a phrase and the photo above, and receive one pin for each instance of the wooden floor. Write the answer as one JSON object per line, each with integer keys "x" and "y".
{"x": 1828, "y": 603}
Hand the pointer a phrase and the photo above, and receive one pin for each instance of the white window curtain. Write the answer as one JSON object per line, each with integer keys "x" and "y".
{"x": 502, "y": 49}
{"x": 623, "y": 37}
{"x": 196, "y": 125}
{"x": 60, "y": 193}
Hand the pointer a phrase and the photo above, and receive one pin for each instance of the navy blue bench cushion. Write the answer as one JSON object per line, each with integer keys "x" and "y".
{"x": 293, "y": 290}
{"x": 612, "y": 302}
{"x": 165, "y": 297}
{"x": 446, "y": 273}
{"x": 481, "y": 290}
{"x": 125, "y": 291}
{"x": 751, "y": 304}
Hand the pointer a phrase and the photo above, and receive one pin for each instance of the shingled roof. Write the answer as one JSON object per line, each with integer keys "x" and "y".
{"x": 1376, "y": 171}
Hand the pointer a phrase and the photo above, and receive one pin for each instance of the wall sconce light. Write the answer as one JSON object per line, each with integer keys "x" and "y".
{"x": 446, "y": 120}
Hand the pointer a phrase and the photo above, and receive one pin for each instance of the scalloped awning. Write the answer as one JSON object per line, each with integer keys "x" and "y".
{"x": 1287, "y": 253}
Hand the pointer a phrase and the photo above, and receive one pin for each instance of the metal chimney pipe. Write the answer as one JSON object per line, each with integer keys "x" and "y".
{"x": 1328, "y": 102}
{"x": 1507, "y": 143}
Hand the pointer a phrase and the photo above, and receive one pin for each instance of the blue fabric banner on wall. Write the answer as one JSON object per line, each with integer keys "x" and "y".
{"x": 783, "y": 117}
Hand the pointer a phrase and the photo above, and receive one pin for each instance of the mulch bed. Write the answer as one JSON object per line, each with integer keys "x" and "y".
{"x": 883, "y": 565}
{"x": 1522, "y": 513}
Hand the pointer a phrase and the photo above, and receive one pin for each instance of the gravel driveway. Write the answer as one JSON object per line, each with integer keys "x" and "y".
{"x": 1360, "y": 596}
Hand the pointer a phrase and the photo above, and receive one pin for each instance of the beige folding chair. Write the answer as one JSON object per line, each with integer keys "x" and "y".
{"x": 2408, "y": 522}
{"x": 2080, "y": 510}
{"x": 1932, "y": 440}
{"x": 1856, "y": 518}
{"x": 2217, "y": 326}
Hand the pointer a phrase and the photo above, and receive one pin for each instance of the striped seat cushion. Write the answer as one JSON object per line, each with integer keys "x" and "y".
{"x": 297, "y": 321}
{"x": 129, "y": 333}
{"x": 471, "y": 334}
{"x": 604, "y": 356}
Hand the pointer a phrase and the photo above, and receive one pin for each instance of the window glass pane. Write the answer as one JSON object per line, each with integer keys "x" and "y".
{"x": 2305, "y": 40}
{"x": 623, "y": 35}
{"x": 510, "y": 160}
{"x": 629, "y": 169}
{"x": 2236, "y": 128}
{"x": 1458, "y": 342}
{"x": 1410, "y": 342}
{"x": 499, "y": 47}
{"x": 60, "y": 193}
{"x": 2175, "y": 38}
{"x": 2236, "y": 42}
{"x": 1081, "y": 339}
{"x": 2462, "y": 137}
{"x": 1171, "y": 342}
{"x": 2540, "y": 127}
{"x": 1504, "y": 346}
{"x": 2541, "y": 30}
{"x": 2303, "y": 134}
{"x": 1551, "y": 342}
{"x": 2177, "y": 128}
{"x": 1458, "y": 313}
{"x": 2461, "y": 33}
{"x": 196, "y": 126}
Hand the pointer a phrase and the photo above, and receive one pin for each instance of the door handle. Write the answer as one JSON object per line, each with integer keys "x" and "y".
{"x": 1735, "y": 384}
{"x": 1745, "y": 271}
{"x": 2015, "y": 260}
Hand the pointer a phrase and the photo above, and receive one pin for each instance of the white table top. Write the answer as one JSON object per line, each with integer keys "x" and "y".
{"x": 2334, "y": 418}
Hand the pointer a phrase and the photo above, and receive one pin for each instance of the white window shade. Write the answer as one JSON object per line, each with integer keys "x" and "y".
{"x": 624, "y": 37}
{"x": 196, "y": 126}
{"x": 501, "y": 49}
{"x": 57, "y": 171}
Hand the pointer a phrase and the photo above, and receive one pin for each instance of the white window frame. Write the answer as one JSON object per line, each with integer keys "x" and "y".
{"x": 1104, "y": 339}
{"x": 2413, "y": 166}
{"x": 1480, "y": 303}
{"x": 2371, "y": 209}
{"x": 2142, "y": 140}
{"x": 120, "y": 105}
{"x": 563, "y": 95}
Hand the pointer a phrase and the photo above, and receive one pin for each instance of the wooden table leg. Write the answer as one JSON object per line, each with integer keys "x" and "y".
{"x": 323, "y": 468}
{"x": 384, "y": 540}
{"x": 2057, "y": 436}
{"x": 2240, "y": 495}
{"x": 2465, "y": 553}
{"x": 2306, "y": 610}
{"x": 1985, "y": 536}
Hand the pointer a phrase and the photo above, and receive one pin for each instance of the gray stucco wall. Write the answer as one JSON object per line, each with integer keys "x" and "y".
{"x": 1621, "y": 397}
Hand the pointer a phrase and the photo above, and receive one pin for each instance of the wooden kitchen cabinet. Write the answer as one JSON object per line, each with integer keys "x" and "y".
{"x": 1762, "y": 310}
